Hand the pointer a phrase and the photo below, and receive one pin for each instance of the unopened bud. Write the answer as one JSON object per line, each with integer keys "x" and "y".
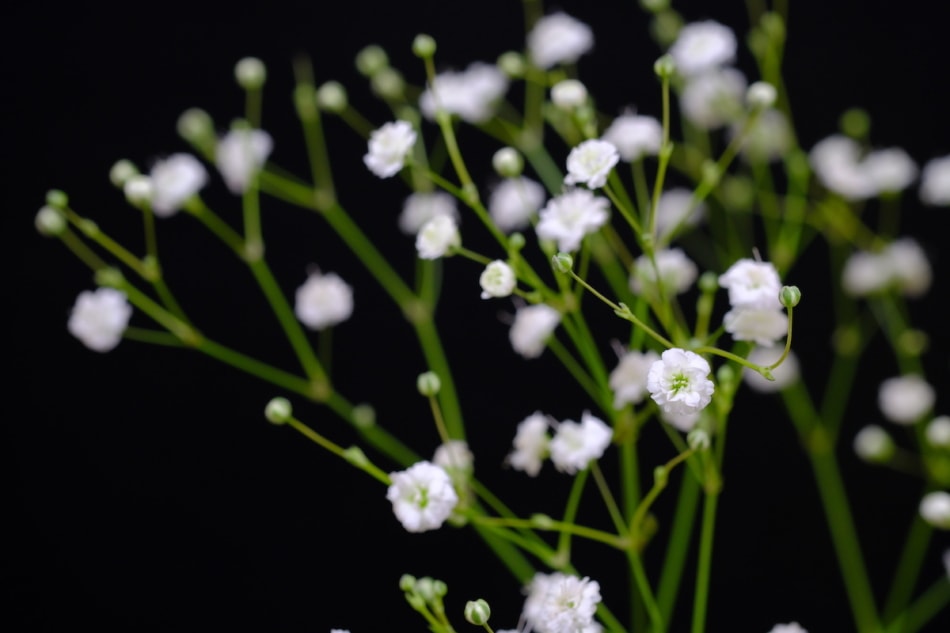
{"x": 50, "y": 221}
{"x": 363, "y": 416}
{"x": 331, "y": 96}
{"x": 195, "y": 126}
{"x": 388, "y": 83}
{"x": 664, "y": 67}
{"x": 138, "y": 190}
{"x": 371, "y": 59}
{"x": 512, "y": 64}
{"x": 790, "y": 296}
{"x": 873, "y": 444}
{"x": 356, "y": 456}
{"x": 121, "y": 171}
{"x": 250, "y": 73}
{"x": 477, "y": 612}
{"x": 935, "y": 509}
{"x": 278, "y": 411}
{"x": 698, "y": 439}
{"x": 507, "y": 162}
{"x": 423, "y": 46}
{"x": 57, "y": 198}
{"x": 569, "y": 94}
{"x": 761, "y": 95}
{"x": 563, "y": 262}
{"x": 428, "y": 383}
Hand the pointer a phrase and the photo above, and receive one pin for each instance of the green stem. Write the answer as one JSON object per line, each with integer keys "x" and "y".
{"x": 704, "y": 565}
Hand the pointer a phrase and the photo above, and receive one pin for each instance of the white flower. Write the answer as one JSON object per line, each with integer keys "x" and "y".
{"x": 902, "y": 264}
{"x": 681, "y": 421}
{"x": 323, "y": 300}
{"x": 422, "y": 206}
{"x": 678, "y": 382}
{"x": 558, "y": 39}
{"x": 635, "y": 136}
{"x": 568, "y": 94}
{"x": 714, "y": 98}
{"x": 530, "y": 444}
{"x": 99, "y": 318}
{"x": 590, "y": 163}
{"x": 454, "y": 456}
{"x": 905, "y": 399}
{"x": 567, "y": 218}
{"x": 628, "y": 380}
{"x": 559, "y": 603}
{"x": 514, "y": 201}
{"x": 873, "y": 444}
{"x": 792, "y": 627}
{"x": 752, "y": 284}
{"x": 239, "y": 155}
{"x": 388, "y": 148}
{"x": 437, "y": 237}
{"x": 701, "y": 46}
{"x": 938, "y": 431}
{"x": 762, "y": 326}
{"x": 677, "y": 210}
{"x": 836, "y": 161}
{"x": 175, "y": 180}
{"x": 935, "y": 509}
{"x": 497, "y": 280}
{"x": 935, "y": 182}
{"x": 531, "y": 328}
{"x": 865, "y": 273}
{"x": 768, "y": 139}
{"x": 471, "y": 94}
{"x": 422, "y": 496}
{"x": 575, "y": 445}
{"x": 785, "y": 374}
{"x": 676, "y": 271}
{"x": 890, "y": 169}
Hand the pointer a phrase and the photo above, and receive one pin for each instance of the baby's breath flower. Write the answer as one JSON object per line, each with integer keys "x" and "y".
{"x": 678, "y": 382}
{"x": 684, "y": 422}
{"x": 497, "y": 280}
{"x": 530, "y": 444}
{"x": 905, "y": 399}
{"x": 437, "y": 237}
{"x": 422, "y": 206}
{"x": 471, "y": 94}
{"x": 99, "y": 318}
{"x": 634, "y": 136}
{"x": 938, "y": 431}
{"x": 590, "y": 163}
{"x": 935, "y": 509}
{"x": 422, "y": 496}
{"x": 558, "y": 39}
{"x": 559, "y": 603}
{"x": 514, "y": 201}
{"x": 121, "y": 171}
{"x": 240, "y": 154}
{"x": 714, "y": 98}
{"x": 50, "y": 221}
{"x": 250, "y": 73}
{"x": 701, "y": 46}
{"x": 454, "y": 456}
{"x": 792, "y": 627}
{"x": 935, "y": 182}
{"x": 890, "y": 169}
{"x": 902, "y": 265}
{"x": 761, "y": 94}
{"x": 175, "y": 180}
{"x": 388, "y": 148}
{"x": 575, "y": 445}
{"x": 628, "y": 380}
{"x": 676, "y": 211}
{"x": 752, "y": 284}
{"x": 138, "y": 190}
{"x": 873, "y": 444}
{"x": 507, "y": 162}
{"x": 673, "y": 268}
{"x": 570, "y": 216}
{"x": 836, "y": 161}
{"x": 785, "y": 374}
{"x": 762, "y": 326}
{"x": 531, "y": 328}
{"x": 768, "y": 139}
{"x": 568, "y": 94}
{"x": 323, "y": 300}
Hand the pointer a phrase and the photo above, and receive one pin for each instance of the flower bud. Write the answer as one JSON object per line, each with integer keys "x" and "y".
{"x": 428, "y": 383}
{"x": 195, "y": 126}
{"x": 542, "y": 521}
{"x": 912, "y": 342}
{"x": 423, "y": 46}
{"x": 708, "y": 282}
{"x": 477, "y": 612}
{"x": 371, "y": 59}
{"x": 425, "y": 587}
{"x": 138, "y": 190}
{"x": 512, "y": 64}
{"x": 938, "y": 432}
{"x": 331, "y": 96}
{"x": 507, "y": 162}
{"x": 516, "y": 242}
{"x": 563, "y": 262}
{"x": 121, "y": 171}
{"x": 698, "y": 439}
{"x": 57, "y": 198}
{"x": 873, "y": 444}
{"x": 388, "y": 83}
{"x": 569, "y": 94}
{"x": 363, "y": 416}
{"x": 935, "y": 509}
{"x": 250, "y": 73}
{"x": 855, "y": 123}
{"x": 407, "y": 582}
{"x": 761, "y": 95}
{"x": 653, "y": 6}
{"x": 50, "y": 221}
{"x": 278, "y": 411}
{"x": 790, "y": 296}
{"x": 660, "y": 475}
{"x": 356, "y": 456}
{"x": 664, "y": 67}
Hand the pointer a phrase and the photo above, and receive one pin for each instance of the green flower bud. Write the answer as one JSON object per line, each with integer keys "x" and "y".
{"x": 50, "y": 221}
{"x": 331, "y": 96}
{"x": 512, "y": 64}
{"x": 666, "y": 26}
{"x": 913, "y": 342}
{"x": 428, "y": 383}
{"x": 563, "y": 262}
{"x": 388, "y": 83}
{"x": 57, "y": 198}
{"x": 761, "y": 95}
{"x": 371, "y": 59}
{"x": 654, "y": 6}
{"x": 363, "y": 416}
{"x": 356, "y": 456}
{"x": 195, "y": 126}
{"x": 250, "y": 73}
{"x": 698, "y": 439}
{"x": 790, "y": 296}
{"x": 407, "y": 582}
{"x": 109, "y": 277}
{"x": 516, "y": 242}
{"x": 660, "y": 475}
{"x": 708, "y": 282}
{"x": 855, "y": 123}
{"x": 278, "y": 410}
{"x": 507, "y": 162}
{"x": 477, "y": 612}
{"x": 121, "y": 171}
{"x": 664, "y": 67}
{"x": 423, "y": 46}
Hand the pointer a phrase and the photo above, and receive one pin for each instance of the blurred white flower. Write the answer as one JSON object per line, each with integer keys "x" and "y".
{"x": 873, "y": 444}
{"x": 890, "y": 169}
{"x": 471, "y": 94}
{"x": 558, "y": 39}
{"x": 905, "y": 399}
{"x": 752, "y": 284}
{"x": 701, "y": 46}
{"x": 422, "y": 496}
{"x": 768, "y": 139}
{"x": 454, "y": 456}
{"x": 845, "y": 168}
{"x": 99, "y": 318}
{"x": 323, "y": 300}
{"x": 422, "y": 206}
{"x": 239, "y": 155}
{"x": 712, "y": 99}
{"x": 389, "y": 146}
{"x": 938, "y": 431}
{"x": 590, "y": 163}
{"x": 678, "y": 382}
{"x": 559, "y": 603}
{"x": 935, "y": 182}
{"x": 530, "y": 444}
{"x": 437, "y": 237}
{"x": 567, "y": 218}
{"x": 635, "y": 136}
{"x": 175, "y": 180}
{"x": 514, "y": 201}
{"x": 683, "y": 422}
{"x": 902, "y": 264}
{"x": 676, "y": 272}
{"x": 785, "y": 374}
{"x": 792, "y": 627}
{"x": 628, "y": 380}
{"x": 676, "y": 211}
{"x": 575, "y": 445}
{"x": 568, "y": 94}
{"x": 865, "y": 273}
{"x": 763, "y": 327}
{"x": 497, "y": 280}
{"x": 935, "y": 509}
{"x": 531, "y": 328}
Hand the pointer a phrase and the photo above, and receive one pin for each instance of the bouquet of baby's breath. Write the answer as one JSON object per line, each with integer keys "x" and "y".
{"x": 648, "y": 255}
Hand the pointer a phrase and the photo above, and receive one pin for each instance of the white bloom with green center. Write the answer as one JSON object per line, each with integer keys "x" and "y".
{"x": 532, "y": 327}
{"x": 575, "y": 445}
{"x": 935, "y": 182}
{"x": 99, "y": 318}
{"x": 905, "y": 399}
{"x": 323, "y": 300}
{"x": 514, "y": 202}
{"x": 701, "y": 46}
{"x": 678, "y": 382}
{"x": 422, "y": 206}
{"x": 530, "y": 444}
{"x": 567, "y": 218}
{"x": 558, "y": 39}
{"x": 752, "y": 284}
{"x": 175, "y": 180}
{"x": 628, "y": 380}
{"x": 791, "y": 627}
{"x": 590, "y": 163}
{"x": 422, "y": 496}
{"x": 935, "y": 509}
{"x": 635, "y": 136}
{"x": 389, "y": 146}
{"x": 560, "y": 603}
{"x": 239, "y": 155}
{"x": 437, "y": 237}
{"x": 497, "y": 280}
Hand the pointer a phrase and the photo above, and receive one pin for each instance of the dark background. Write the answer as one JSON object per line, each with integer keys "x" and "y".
{"x": 149, "y": 494}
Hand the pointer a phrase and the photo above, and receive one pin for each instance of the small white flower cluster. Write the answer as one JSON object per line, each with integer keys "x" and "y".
{"x": 561, "y": 603}
{"x": 171, "y": 182}
{"x": 497, "y": 280}
{"x": 678, "y": 382}
{"x": 514, "y": 201}
{"x": 558, "y": 39}
{"x": 438, "y": 237}
{"x": 845, "y": 169}
{"x": 422, "y": 496}
{"x": 240, "y": 154}
{"x": 906, "y": 399}
{"x": 902, "y": 265}
{"x": 675, "y": 271}
{"x": 569, "y": 217}
{"x": 756, "y": 312}
{"x": 531, "y": 328}
{"x": 634, "y": 136}
{"x": 323, "y": 300}
{"x": 935, "y": 182}
{"x": 99, "y": 318}
{"x": 628, "y": 380}
{"x": 388, "y": 148}
{"x": 573, "y": 446}
{"x": 470, "y": 94}
{"x": 590, "y": 163}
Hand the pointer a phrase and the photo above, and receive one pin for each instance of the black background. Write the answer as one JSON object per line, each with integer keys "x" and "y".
{"x": 149, "y": 494}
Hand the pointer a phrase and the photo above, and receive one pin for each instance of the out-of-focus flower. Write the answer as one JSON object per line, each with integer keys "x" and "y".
{"x": 935, "y": 182}
{"x": 634, "y": 136}
{"x": 628, "y": 380}
{"x": 674, "y": 269}
{"x": 175, "y": 180}
{"x": 239, "y": 155}
{"x": 389, "y": 146}
{"x": 905, "y": 399}
{"x": 422, "y": 206}
{"x": 437, "y": 237}
{"x": 531, "y": 328}
{"x": 575, "y": 445}
{"x": 569, "y": 217}
{"x": 785, "y": 374}
{"x": 702, "y": 46}
{"x": 530, "y": 444}
{"x": 99, "y": 318}
{"x": 514, "y": 201}
{"x": 323, "y": 300}
{"x": 470, "y": 94}
{"x": 558, "y": 39}
{"x": 715, "y": 98}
